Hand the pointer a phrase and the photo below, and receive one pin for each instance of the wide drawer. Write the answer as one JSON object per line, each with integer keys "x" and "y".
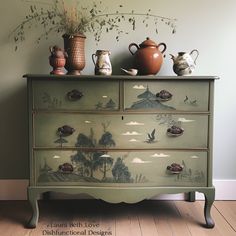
{"x": 166, "y": 95}
{"x": 121, "y": 131}
{"x": 76, "y": 95}
{"x": 144, "y": 168}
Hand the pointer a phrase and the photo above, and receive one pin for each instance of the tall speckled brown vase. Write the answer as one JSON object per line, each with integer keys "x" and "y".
{"x": 74, "y": 46}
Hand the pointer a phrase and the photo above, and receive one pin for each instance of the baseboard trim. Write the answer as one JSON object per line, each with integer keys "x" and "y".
{"x": 17, "y": 190}
{"x": 13, "y": 189}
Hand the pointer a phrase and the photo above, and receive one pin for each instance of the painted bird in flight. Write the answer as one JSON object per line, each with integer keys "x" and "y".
{"x": 186, "y": 99}
{"x": 151, "y": 137}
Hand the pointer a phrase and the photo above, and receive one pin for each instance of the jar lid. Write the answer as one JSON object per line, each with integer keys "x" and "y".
{"x": 148, "y": 43}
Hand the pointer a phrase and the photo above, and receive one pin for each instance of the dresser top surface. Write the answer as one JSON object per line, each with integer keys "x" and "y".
{"x": 115, "y": 77}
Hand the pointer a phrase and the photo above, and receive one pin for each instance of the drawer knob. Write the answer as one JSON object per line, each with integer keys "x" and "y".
{"x": 175, "y": 168}
{"x": 65, "y": 130}
{"x": 175, "y": 131}
{"x": 66, "y": 168}
{"x": 74, "y": 95}
{"x": 164, "y": 95}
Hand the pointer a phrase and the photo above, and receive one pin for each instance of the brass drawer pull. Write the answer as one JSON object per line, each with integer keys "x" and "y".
{"x": 66, "y": 168}
{"x": 175, "y": 168}
{"x": 62, "y": 132}
{"x": 175, "y": 131}
{"x": 164, "y": 95}
{"x": 74, "y": 95}
{"x": 65, "y": 130}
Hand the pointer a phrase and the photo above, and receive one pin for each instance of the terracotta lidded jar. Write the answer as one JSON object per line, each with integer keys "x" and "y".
{"x": 148, "y": 58}
{"x": 57, "y": 60}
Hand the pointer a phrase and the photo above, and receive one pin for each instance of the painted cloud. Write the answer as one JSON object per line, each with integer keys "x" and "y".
{"x": 131, "y": 133}
{"x": 194, "y": 157}
{"x": 139, "y": 86}
{"x": 160, "y": 155}
{"x": 105, "y": 155}
{"x": 134, "y": 123}
{"x": 56, "y": 157}
{"x": 182, "y": 119}
{"x": 134, "y": 140}
{"x": 139, "y": 161}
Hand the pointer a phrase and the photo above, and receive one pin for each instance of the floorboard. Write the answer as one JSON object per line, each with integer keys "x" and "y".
{"x": 95, "y": 217}
{"x": 192, "y": 214}
{"x": 228, "y": 210}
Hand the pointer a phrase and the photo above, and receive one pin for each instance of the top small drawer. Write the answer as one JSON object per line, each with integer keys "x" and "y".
{"x": 167, "y": 95}
{"x": 76, "y": 95}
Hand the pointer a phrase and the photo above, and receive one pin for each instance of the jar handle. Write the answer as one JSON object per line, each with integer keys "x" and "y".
{"x": 51, "y": 49}
{"x": 164, "y": 47}
{"x": 93, "y": 58}
{"x": 197, "y": 54}
{"x": 131, "y": 45}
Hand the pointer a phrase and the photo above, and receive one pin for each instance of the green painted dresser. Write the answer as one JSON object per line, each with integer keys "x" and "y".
{"x": 120, "y": 138}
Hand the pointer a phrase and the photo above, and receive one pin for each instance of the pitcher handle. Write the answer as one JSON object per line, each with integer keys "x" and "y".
{"x": 131, "y": 45}
{"x": 195, "y": 50}
{"x": 93, "y": 58}
{"x": 164, "y": 47}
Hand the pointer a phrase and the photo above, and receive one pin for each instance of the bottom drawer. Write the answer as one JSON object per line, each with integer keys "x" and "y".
{"x": 114, "y": 169}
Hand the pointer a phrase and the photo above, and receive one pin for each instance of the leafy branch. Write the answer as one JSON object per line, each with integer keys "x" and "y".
{"x": 58, "y": 17}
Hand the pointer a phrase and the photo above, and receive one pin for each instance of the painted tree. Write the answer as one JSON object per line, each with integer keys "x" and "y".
{"x": 94, "y": 160}
{"x": 120, "y": 171}
{"x": 84, "y": 141}
{"x": 106, "y": 141}
{"x": 90, "y": 160}
{"x": 107, "y": 162}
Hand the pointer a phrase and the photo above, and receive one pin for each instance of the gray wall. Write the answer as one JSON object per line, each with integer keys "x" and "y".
{"x": 206, "y": 25}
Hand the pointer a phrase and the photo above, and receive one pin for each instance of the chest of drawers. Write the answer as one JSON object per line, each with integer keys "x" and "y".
{"x": 120, "y": 138}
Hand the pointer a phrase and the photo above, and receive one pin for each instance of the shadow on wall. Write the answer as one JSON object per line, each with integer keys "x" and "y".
{"x": 121, "y": 60}
{"x": 14, "y": 136}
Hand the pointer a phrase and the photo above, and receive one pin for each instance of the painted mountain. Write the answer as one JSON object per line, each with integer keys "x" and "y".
{"x": 148, "y": 100}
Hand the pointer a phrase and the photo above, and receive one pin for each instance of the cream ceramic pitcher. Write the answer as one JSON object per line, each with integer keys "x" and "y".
{"x": 103, "y": 63}
{"x": 184, "y": 63}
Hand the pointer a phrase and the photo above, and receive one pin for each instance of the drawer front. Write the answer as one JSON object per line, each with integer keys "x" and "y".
{"x": 120, "y": 131}
{"x": 76, "y": 95}
{"x": 167, "y": 96}
{"x": 145, "y": 168}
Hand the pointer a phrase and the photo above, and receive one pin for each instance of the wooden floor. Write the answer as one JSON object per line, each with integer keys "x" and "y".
{"x": 93, "y": 217}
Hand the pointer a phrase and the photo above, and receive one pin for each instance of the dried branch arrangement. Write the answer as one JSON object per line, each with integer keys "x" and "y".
{"x": 61, "y": 17}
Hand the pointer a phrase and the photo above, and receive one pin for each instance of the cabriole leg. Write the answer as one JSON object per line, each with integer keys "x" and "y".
{"x": 191, "y": 197}
{"x": 46, "y": 196}
{"x": 209, "y": 199}
{"x": 33, "y": 200}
